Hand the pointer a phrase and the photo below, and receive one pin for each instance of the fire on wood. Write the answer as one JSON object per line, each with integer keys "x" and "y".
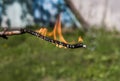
{"x": 45, "y": 35}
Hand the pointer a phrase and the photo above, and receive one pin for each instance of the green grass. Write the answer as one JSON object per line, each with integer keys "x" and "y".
{"x": 27, "y": 58}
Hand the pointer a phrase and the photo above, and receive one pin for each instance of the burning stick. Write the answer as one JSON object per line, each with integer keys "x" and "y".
{"x": 4, "y": 34}
{"x": 43, "y": 34}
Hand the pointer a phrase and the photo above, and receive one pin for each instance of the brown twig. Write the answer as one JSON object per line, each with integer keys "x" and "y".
{"x": 6, "y": 33}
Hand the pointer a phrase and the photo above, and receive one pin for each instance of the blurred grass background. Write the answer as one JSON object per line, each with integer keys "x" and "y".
{"x": 27, "y": 58}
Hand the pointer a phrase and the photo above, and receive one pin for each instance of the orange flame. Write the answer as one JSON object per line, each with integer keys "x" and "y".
{"x": 57, "y": 31}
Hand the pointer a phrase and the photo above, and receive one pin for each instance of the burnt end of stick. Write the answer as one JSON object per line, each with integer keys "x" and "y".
{"x": 79, "y": 45}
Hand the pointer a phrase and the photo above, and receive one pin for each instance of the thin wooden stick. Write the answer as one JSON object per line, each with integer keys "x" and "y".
{"x": 6, "y": 33}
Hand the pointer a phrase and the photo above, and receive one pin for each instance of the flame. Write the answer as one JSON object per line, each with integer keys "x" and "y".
{"x": 56, "y": 33}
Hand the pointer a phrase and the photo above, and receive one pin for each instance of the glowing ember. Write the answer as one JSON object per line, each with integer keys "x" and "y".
{"x": 56, "y": 33}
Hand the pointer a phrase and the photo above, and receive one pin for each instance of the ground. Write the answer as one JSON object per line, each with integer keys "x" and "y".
{"x": 27, "y": 58}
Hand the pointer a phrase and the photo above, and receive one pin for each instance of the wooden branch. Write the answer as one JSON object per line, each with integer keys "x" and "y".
{"x": 6, "y": 33}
